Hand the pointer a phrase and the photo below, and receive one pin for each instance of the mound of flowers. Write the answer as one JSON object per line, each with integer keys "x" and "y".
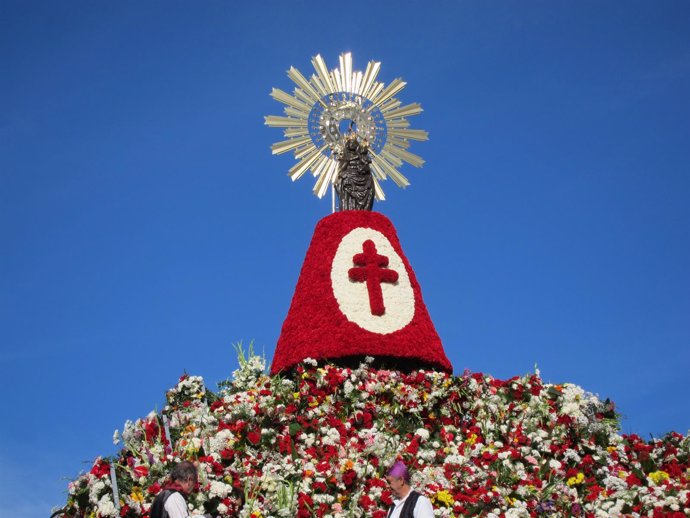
{"x": 316, "y": 444}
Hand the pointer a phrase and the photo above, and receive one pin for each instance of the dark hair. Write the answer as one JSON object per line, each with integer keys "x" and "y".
{"x": 184, "y": 471}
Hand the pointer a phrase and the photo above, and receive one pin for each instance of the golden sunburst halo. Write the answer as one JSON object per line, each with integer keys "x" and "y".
{"x": 322, "y": 109}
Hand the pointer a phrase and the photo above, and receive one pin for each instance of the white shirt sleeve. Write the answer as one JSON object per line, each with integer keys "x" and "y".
{"x": 423, "y": 508}
{"x": 176, "y": 506}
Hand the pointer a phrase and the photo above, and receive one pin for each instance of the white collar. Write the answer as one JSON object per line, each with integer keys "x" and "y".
{"x": 398, "y": 502}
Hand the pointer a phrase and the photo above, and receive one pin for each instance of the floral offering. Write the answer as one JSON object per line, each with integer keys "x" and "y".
{"x": 316, "y": 443}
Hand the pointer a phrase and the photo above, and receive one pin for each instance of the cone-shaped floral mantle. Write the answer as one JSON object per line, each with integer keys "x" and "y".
{"x": 358, "y": 296}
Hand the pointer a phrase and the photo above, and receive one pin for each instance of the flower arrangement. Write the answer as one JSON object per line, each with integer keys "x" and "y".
{"x": 316, "y": 443}
{"x": 331, "y": 315}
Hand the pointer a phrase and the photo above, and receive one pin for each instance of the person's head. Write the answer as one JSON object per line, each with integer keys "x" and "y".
{"x": 398, "y": 478}
{"x": 185, "y": 475}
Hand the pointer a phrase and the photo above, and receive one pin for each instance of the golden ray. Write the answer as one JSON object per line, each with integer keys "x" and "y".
{"x": 410, "y": 158}
{"x": 405, "y": 111}
{"x": 398, "y": 123}
{"x": 372, "y": 71}
{"x": 305, "y": 85}
{"x": 410, "y": 134}
{"x": 288, "y": 99}
{"x": 284, "y": 122}
{"x": 322, "y": 71}
{"x": 286, "y": 145}
{"x": 392, "y": 89}
{"x": 302, "y": 167}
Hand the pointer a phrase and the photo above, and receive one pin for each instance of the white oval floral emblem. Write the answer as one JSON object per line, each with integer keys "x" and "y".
{"x": 370, "y": 282}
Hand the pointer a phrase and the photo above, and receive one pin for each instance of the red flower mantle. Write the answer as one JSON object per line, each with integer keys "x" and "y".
{"x": 316, "y": 325}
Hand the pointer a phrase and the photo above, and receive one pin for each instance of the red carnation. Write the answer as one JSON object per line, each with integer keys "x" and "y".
{"x": 632, "y": 480}
{"x": 254, "y": 437}
{"x": 349, "y": 477}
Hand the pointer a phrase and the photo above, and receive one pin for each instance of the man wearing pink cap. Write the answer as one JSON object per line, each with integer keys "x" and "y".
{"x": 407, "y": 503}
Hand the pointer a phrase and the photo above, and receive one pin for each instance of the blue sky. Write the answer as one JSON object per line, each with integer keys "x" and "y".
{"x": 146, "y": 227}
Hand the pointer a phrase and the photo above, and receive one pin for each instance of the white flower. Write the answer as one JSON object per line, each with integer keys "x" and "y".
{"x": 422, "y": 433}
{"x": 95, "y": 491}
{"x": 128, "y": 431}
{"x": 106, "y": 507}
{"x": 219, "y": 489}
{"x": 515, "y": 512}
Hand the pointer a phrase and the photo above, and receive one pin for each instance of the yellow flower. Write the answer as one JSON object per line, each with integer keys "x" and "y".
{"x": 445, "y": 498}
{"x": 471, "y": 439}
{"x": 576, "y": 480}
{"x": 622, "y": 474}
{"x": 137, "y": 494}
{"x": 658, "y": 476}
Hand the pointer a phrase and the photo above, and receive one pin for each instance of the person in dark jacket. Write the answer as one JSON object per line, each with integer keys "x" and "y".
{"x": 171, "y": 502}
{"x": 407, "y": 503}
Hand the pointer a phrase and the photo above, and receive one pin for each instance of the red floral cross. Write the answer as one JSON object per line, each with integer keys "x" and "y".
{"x": 372, "y": 268}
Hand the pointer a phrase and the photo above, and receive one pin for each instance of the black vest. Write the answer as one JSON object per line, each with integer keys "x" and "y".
{"x": 408, "y": 507}
{"x": 158, "y": 507}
